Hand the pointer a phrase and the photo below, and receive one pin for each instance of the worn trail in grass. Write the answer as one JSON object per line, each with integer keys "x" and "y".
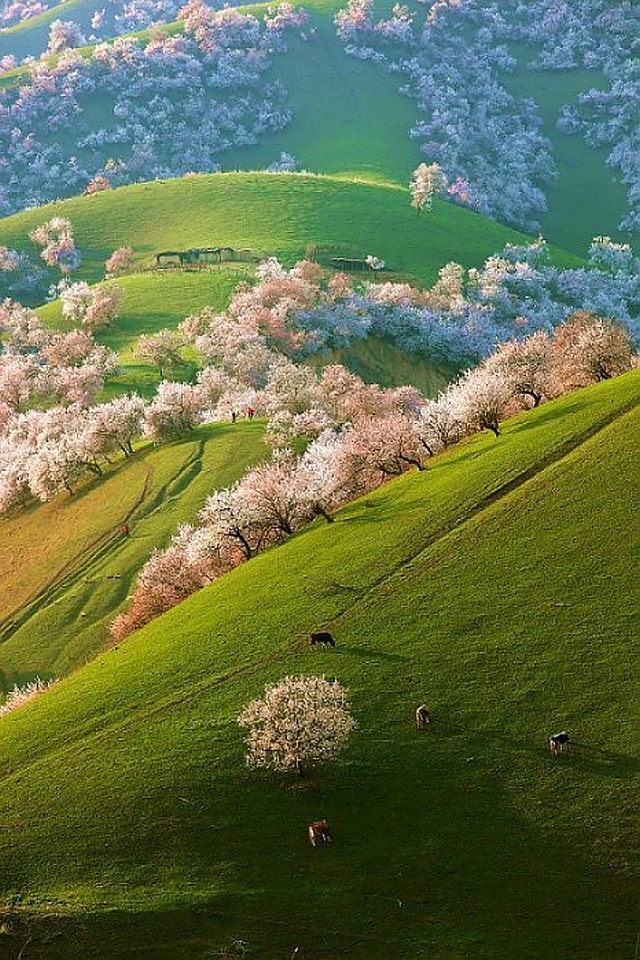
{"x": 57, "y": 605}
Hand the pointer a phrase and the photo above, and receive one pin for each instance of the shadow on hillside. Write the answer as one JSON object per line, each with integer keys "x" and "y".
{"x": 547, "y": 414}
{"x": 442, "y": 864}
{"x": 372, "y": 654}
{"x": 596, "y": 760}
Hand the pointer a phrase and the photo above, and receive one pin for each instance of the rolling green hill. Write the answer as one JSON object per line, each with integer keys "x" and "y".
{"x": 496, "y": 586}
{"x": 58, "y": 600}
{"x": 274, "y": 215}
{"x": 348, "y": 118}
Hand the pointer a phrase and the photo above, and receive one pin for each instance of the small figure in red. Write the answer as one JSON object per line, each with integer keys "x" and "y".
{"x": 250, "y": 412}
{"x": 125, "y": 529}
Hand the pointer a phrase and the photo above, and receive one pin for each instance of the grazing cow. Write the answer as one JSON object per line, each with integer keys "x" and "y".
{"x": 323, "y": 637}
{"x": 423, "y": 717}
{"x": 558, "y": 742}
{"x": 319, "y": 832}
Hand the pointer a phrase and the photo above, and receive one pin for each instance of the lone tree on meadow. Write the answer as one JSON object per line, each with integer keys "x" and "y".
{"x": 427, "y": 182}
{"x": 300, "y": 721}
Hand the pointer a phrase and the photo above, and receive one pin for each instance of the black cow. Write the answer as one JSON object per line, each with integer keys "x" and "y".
{"x": 558, "y": 742}
{"x": 323, "y": 637}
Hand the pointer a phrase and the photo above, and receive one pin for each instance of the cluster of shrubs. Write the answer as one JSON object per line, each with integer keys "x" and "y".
{"x": 454, "y": 62}
{"x": 171, "y": 105}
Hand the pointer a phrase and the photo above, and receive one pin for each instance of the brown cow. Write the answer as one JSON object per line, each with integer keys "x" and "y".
{"x": 319, "y": 832}
{"x": 423, "y": 717}
{"x": 323, "y": 637}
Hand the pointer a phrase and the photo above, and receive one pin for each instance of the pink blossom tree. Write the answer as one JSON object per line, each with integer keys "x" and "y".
{"x": 427, "y": 182}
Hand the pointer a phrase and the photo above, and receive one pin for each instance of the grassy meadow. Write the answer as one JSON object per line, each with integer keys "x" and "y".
{"x": 57, "y": 601}
{"x": 496, "y": 587}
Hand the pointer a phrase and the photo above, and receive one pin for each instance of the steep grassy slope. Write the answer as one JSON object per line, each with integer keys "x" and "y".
{"x": 58, "y": 600}
{"x": 273, "y": 214}
{"x": 497, "y": 586}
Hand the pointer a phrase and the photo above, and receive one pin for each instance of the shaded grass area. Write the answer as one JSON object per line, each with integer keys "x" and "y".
{"x": 58, "y": 602}
{"x": 482, "y": 586}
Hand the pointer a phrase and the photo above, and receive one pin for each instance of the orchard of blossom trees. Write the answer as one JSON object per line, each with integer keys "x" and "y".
{"x": 52, "y": 432}
{"x": 463, "y": 317}
{"x": 171, "y": 106}
{"x": 113, "y": 19}
{"x": 356, "y": 437}
{"x": 22, "y": 276}
{"x": 454, "y": 62}
{"x": 16, "y": 11}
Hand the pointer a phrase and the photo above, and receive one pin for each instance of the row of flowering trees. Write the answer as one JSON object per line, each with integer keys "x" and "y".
{"x": 174, "y": 103}
{"x": 50, "y": 380}
{"x": 454, "y": 61}
{"x": 357, "y": 438}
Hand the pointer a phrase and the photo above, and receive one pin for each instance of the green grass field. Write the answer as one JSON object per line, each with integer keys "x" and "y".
{"x": 58, "y": 600}
{"x": 496, "y": 586}
{"x": 273, "y": 215}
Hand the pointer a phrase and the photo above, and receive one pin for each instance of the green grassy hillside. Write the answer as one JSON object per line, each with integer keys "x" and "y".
{"x": 272, "y": 214}
{"x": 496, "y": 586}
{"x": 58, "y": 600}
{"x": 348, "y": 117}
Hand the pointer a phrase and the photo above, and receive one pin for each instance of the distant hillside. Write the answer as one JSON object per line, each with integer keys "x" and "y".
{"x": 348, "y": 117}
{"x": 59, "y": 598}
{"x": 495, "y": 585}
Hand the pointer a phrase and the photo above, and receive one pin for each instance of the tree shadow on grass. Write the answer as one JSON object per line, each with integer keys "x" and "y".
{"x": 443, "y": 865}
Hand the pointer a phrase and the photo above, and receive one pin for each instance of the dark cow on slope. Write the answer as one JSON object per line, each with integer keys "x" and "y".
{"x": 558, "y": 742}
{"x": 322, "y": 637}
{"x": 423, "y": 717}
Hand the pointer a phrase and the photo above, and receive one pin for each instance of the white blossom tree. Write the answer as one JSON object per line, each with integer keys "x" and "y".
{"x": 427, "y": 181}
{"x": 300, "y": 721}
